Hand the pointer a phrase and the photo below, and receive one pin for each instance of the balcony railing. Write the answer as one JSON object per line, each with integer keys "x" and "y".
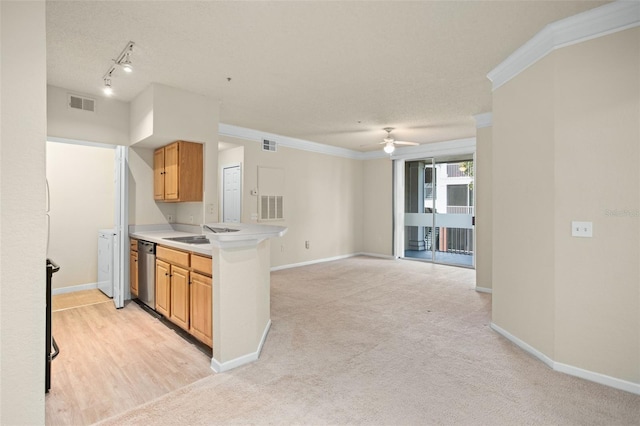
{"x": 460, "y": 210}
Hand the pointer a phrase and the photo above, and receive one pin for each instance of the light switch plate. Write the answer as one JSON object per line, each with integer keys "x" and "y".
{"x": 582, "y": 229}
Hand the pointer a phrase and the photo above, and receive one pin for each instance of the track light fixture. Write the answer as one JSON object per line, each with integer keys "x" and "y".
{"x": 123, "y": 60}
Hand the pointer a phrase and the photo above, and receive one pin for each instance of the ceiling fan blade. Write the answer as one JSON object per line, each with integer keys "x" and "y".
{"x": 405, "y": 143}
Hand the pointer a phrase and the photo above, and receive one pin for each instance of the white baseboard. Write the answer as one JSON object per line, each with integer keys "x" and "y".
{"x": 73, "y": 288}
{"x": 378, "y": 255}
{"x": 312, "y": 262}
{"x": 330, "y": 259}
{"x": 570, "y": 369}
{"x": 219, "y": 367}
{"x": 484, "y": 290}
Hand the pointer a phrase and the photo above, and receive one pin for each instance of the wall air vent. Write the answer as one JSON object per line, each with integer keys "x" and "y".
{"x": 271, "y": 207}
{"x": 85, "y": 104}
{"x": 268, "y": 145}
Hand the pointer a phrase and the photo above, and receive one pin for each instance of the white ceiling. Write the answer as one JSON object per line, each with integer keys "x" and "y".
{"x": 330, "y": 72}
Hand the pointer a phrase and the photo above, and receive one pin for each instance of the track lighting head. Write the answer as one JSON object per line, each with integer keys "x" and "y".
{"x": 126, "y": 63}
{"x": 108, "y": 90}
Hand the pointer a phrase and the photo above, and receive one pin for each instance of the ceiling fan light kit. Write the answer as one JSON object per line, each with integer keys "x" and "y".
{"x": 389, "y": 147}
{"x": 390, "y": 143}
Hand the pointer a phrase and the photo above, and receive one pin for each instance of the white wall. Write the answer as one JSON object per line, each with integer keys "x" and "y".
{"x": 143, "y": 209}
{"x": 108, "y": 124}
{"x": 22, "y": 212}
{"x": 322, "y": 202}
{"x": 377, "y": 209}
{"x": 81, "y": 183}
{"x": 566, "y": 147}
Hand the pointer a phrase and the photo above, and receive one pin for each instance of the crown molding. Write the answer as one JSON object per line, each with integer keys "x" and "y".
{"x": 610, "y": 18}
{"x": 256, "y": 135}
{"x": 453, "y": 147}
{"x": 483, "y": 120}
{"x": 436, "y": 149}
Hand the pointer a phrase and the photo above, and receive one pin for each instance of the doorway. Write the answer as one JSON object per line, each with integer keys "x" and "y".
{"x": 439, "y": 210}
{"x": 88, "y": 194}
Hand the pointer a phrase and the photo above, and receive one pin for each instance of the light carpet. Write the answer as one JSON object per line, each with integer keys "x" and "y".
{"x": 374, "y": 341}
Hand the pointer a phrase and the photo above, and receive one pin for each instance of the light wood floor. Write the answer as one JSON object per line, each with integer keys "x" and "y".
{"x": 113, "y": 360}
{"x": 76, "y": 299}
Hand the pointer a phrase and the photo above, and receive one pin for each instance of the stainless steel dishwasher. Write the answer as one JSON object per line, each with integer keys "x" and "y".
{"x": 147, "y": 273}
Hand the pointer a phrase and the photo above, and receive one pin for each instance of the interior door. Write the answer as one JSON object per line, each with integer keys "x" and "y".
{"x": 231, "y": 199}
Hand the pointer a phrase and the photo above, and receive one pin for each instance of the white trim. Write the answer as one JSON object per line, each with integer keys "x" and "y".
{"x": 483, "y": 120}
{"x": 436, "y": 149}
{"x": 312, "y": 262}
{"x": 484, "y": 290}
{"x": 602, "y": 379}
{"x": 79, "y": 142}
{"x": 258, "y": 136}
{"x": 597, "y": 22}
{"x": 523, "y": 345}
{"x": 377, "y": 255}
{"x": 569, "y": 369}
{"x": 245, "y": 359}
{"x": 73, "y": 288}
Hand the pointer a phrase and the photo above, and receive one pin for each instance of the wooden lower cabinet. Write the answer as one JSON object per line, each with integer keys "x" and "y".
{"x": 133, "y": 273}
{"x": 163, "y": 287}
{"x": 184, "y": 291}
{"x": 179, "y": 296}
{"x": 201, "y": 312}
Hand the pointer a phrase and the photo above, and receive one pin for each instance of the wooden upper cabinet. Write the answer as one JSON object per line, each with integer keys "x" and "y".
{"x": 158, "y": 174}
{"x": 178, "y": 172}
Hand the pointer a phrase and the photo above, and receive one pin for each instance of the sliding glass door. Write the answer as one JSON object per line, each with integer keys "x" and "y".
{"x": 439, "y": 210}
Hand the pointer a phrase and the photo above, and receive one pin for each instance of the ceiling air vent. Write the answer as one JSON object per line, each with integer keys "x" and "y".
{"x": 85, "y": 104}
{"x": 268, "y": 145}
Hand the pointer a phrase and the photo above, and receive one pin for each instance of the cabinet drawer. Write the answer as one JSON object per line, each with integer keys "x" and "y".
{"x": 201, "y": 264}
{"x": 175, "y": 257}
{"x": 133, "y": 244}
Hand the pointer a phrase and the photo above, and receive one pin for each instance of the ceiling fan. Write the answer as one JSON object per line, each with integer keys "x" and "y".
{"x": 390, "y": 143}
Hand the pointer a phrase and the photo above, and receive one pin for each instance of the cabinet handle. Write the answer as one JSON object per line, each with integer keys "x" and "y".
{"x": 166, "y": 274}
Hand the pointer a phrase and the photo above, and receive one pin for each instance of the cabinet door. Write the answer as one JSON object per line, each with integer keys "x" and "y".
{"x": 133, "y": 273}
{"x": 158, "y": 174}
{"x": 163, "y": 288}
{"x": 180, "y": 296}
{"x": 171, "y": 172}
{"x": 201, "y": 302}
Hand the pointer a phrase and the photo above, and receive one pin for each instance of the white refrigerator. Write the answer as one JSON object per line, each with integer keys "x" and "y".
{"x": 106, "y": 239}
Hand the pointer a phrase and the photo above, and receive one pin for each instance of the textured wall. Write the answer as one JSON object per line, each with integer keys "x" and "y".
{"x": 82, "y": 201}
{"x": 22, "y": 212}
{"x": 566, "y": 147}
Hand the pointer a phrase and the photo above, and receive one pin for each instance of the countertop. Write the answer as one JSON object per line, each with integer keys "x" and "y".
{"x": 247, "y": 235}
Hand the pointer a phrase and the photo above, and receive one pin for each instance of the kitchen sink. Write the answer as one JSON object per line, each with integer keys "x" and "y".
{"x": 195, "y": 239}
{"x": 219, "y": 230}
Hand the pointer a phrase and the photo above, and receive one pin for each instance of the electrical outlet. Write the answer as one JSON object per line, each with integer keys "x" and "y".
{"x": 211, "y": 208}
{"x": 170, "y": 218}
{"x": 306, "y": 244}
{"x": 254, "y": 216}
{"x": 582, "y": 229}
{"x": 191, "y": 219}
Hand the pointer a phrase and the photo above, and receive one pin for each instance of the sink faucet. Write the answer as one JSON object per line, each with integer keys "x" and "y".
{"x": 208, "y": 228}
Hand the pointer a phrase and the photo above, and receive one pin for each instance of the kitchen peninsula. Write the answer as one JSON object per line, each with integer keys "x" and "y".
{"x": 241, "y": 315}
